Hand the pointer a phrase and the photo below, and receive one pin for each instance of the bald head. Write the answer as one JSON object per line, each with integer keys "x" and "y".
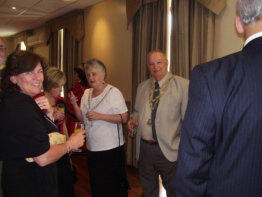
{"x": 2, "y": 51}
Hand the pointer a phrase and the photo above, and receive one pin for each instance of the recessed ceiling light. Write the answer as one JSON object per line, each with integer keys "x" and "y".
{"x": 13, "y": 8}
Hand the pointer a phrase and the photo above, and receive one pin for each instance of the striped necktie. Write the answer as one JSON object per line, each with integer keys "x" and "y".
{"x": 153, "y": 113}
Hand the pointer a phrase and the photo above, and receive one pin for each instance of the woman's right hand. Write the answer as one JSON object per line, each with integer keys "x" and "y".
{"x": 76, "y": 140}
{"x": 72, "y": 98}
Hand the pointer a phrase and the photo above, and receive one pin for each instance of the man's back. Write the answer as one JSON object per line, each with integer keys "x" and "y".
{"x": 223, "y": 156}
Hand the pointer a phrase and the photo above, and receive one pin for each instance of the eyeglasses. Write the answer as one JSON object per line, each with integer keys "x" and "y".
{"x": 2, "y": 48}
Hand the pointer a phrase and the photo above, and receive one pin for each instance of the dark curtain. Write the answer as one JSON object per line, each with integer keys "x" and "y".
{"x": 72, "y": 49}
{"x": 72, "y": 21}
{"x": 192, "y": 37}
{"x": 53, "y": 49}
{"x": 149, "y": 33}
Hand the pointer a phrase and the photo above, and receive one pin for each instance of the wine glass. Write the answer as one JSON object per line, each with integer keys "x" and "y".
{"x": 79, "y": 127}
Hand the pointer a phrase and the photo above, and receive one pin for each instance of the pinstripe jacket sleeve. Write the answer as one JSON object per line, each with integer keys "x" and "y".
{"x": 197, "y": 139}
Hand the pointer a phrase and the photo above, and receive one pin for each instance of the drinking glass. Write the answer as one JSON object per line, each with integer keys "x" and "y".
{"x": 79, "y": 126}
{"x": 61, "y": 107}
{"x": 133, "y": 134}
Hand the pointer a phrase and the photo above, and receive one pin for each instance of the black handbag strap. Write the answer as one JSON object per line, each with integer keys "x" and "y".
{"x": 118, "y": 129}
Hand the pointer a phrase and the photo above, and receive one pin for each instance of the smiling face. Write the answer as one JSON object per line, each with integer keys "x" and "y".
{"x": 94, "y": 76}
{"x": 30, "y": 83}
{"x": 157, "y": 65}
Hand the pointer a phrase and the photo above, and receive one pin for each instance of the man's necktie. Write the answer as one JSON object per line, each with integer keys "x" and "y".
{"x": 155, "y": 105}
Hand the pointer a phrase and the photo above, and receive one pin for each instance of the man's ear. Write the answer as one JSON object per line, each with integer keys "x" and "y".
{"x": 13, "y": 79}
{"x": 239, "y": 25}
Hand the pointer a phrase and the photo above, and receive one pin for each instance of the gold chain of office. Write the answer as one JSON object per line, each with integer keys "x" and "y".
{"x": 153, "y": 102}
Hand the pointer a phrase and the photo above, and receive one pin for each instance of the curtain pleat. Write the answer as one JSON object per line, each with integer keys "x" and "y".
{"x": 72, "y": 48}
{"x": 53, "y": 49}
{"x": 192, "y": 36}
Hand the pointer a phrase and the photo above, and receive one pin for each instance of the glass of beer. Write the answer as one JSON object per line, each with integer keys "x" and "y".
{"x": 61, "y": 107}
{"x": 79, "y": 126}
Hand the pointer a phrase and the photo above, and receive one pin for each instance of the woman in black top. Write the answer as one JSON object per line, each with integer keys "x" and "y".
{"x": 24, "y": 131}
{"x": 54, "y": 80}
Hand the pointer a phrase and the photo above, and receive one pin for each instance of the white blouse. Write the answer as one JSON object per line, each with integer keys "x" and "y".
{"x": 102, "y": 135}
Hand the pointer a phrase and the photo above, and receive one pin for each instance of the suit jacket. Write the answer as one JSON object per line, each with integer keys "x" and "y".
{"x": 170, "y": 113}
{"x": 220, "y": 152}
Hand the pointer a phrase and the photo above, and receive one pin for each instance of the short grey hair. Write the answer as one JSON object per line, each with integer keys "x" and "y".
{"x": 249, "y": 10}
{"x": 156, "y": 51}
{"x": 97, "y": 64}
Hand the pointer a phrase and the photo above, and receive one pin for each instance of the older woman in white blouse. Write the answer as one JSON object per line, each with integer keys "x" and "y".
{"x": 103, "y": 109}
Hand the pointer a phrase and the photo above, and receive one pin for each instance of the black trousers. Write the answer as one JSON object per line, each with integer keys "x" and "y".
{"x": 108, "y": 173}
{"x": 65, "y": 177}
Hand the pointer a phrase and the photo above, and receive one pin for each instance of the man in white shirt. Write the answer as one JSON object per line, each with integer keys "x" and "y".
{"x": 159, "y": 110}
{"x": 221, "y": 138}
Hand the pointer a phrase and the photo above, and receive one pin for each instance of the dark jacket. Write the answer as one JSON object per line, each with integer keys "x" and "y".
{"x": 220, "y": 151}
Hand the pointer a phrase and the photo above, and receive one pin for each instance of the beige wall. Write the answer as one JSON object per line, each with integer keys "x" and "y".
{"x": 42, "y": 50}
{"x": 227, "y": 40}
{"x": 9, "y": 44}
{"x": 39, "y": 43}
{"x": 108, "y": 39}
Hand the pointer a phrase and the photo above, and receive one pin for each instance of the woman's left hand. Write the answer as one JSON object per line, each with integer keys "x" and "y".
{"x": 44, "y": 105}
{"x": 92, "y": 115}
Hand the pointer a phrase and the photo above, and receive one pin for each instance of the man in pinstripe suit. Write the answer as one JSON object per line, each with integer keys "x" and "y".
{"x": 220, "y": 151}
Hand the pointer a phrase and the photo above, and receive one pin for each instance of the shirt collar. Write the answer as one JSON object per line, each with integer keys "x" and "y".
{"x": 162, "y": 81}
{"x": 252, "y": 37}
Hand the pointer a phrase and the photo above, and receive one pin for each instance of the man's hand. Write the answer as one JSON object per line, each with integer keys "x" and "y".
{"x": 131, "y": 124}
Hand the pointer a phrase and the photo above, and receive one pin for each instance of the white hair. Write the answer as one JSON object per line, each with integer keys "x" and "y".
{"x": 249, "y": 10}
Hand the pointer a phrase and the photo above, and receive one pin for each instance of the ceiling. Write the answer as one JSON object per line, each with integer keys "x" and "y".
{"x": 30, "y": 14}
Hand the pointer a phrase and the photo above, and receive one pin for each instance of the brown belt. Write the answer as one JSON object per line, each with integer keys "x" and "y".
{"x": 150, "y": 142}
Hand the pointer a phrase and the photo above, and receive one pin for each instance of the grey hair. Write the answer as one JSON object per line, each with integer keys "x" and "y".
{"x": 97, "y": 64}
{"x": 156, "y": 51}
{"x": 249, "y": 10}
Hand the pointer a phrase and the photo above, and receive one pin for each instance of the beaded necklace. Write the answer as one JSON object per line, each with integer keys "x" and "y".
{"x": 90, "y": 99}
